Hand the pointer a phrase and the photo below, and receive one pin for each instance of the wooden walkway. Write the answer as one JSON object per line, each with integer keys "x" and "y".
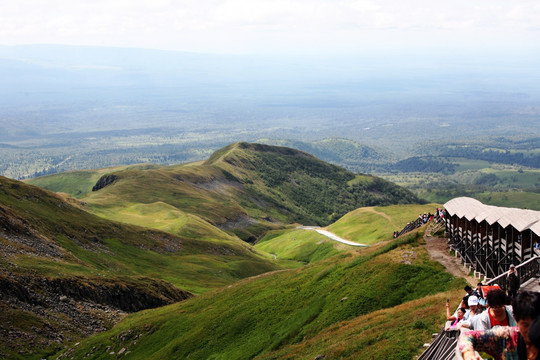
{"x": 531, "y": 285}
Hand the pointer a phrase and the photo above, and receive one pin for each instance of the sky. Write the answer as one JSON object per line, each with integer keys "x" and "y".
{"x": 276, "y": 26}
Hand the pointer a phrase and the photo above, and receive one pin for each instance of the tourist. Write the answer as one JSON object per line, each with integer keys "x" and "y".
{"x": 512, "y": 281}
{"x": 513, "y": 342}
{"x": 473, "y": 311}
{"x": 482, "y": 302}
{"x": 469, "y": 292}
{"x": 497, "y": 314}
{"x": 454, "y": 319}
{"x": 478, "y": 290}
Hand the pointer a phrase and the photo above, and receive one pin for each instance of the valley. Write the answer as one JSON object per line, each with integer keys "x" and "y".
{"x": 219, "y": 241}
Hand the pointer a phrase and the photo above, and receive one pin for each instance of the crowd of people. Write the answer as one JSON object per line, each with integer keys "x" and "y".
{"x": 505, "y": 331}
{"x": 504, "y": 325}
{"x": 422, "y": 219}
{"x": 501, "y": 324}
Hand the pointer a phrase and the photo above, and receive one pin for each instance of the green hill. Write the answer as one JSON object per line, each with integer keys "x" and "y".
{"x": 369, "y": 225}
{"x": 181, "y": 226}
{"x": 283, "y": 314}
{"x": 65, "y": 273}
{"x": 311, "y": 191}
{"x": 75, "y": 183}
{"x": 344, "y": 152}
{"x": 300, "y": 246}
{"x": 245, "y": 189}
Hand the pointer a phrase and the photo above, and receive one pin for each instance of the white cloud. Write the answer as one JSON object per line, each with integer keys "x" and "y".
{"x": 268, "y": 25}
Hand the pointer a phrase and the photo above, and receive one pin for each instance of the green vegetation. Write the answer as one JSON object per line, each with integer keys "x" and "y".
{"x": 384, "y": 334}
{"x": 518, "y": 199}
{"x": 201, "y": 259}
{"x": 179, "y": 207}
{"x": 45, "y": 239}
{"x": 425, "y": 164}
{"x": 437, "y": 171}
{"x": 493, "y": 184}
{"x": 344, "y": 152}
{"x": 373, "y": 224}
{"x": 165, "y": 217}
{"x": 464, "y": 164}
{"x": 74, "y": 183}
{"x": 243, "y": 189}
{"x": 510, "y": 153}
{"x": 305, "y": 246}
{"x": 267, "y": 315}
{"x": 289, "y": 296}
{"x": 498, "y": 168}
{"x": 312, "y": 191}
{"x": 24, "y": 321}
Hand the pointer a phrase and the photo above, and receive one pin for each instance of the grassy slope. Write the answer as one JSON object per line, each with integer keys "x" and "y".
{"x": 367, "y": 225}
{"x": 268, "y": 315}
{"x": 74, "y": 183}
{"x": 304, "y": 246}
{"x": 186, "y": 200}
{"x": 373, "y": 224}
{"x": 85, "y": 248}
{"x": 297, "y": 183}
{"x": 99, "y": 247}
{"x": 395, "y": 333}
{"x": 183, "y": 187}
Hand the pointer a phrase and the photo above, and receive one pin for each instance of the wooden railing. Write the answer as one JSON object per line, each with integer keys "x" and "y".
{"x": 526, "y": 271}
{"x": 415, "y": 224}
{"x": 443, "y": 347}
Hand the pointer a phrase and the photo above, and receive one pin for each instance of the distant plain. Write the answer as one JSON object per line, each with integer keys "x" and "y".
{"x": 68, "y": 108}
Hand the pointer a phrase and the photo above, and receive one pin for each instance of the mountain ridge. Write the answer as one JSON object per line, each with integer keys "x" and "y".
{"x": 246, "y": 184}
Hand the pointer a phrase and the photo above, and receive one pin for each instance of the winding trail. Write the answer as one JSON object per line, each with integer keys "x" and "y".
{"x": 438, "y": 250}
{"x": 330, "y": 235}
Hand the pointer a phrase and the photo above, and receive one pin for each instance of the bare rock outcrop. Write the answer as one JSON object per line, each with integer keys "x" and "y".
{"x": 103, "y": 181}
{"x": 63, "y": 310}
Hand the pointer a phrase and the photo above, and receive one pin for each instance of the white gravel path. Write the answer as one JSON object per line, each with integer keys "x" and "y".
{"x": 331, "y": 235}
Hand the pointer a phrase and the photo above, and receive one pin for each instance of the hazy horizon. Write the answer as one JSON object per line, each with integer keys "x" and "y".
{"x": 392, "y": 75}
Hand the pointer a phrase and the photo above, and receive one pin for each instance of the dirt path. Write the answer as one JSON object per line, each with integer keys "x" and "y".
{"x": 372, "y": 209}
{"x": 438, "y": 250}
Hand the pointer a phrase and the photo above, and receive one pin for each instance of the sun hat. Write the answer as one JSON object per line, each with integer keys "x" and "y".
{"x": 473, "y": 300}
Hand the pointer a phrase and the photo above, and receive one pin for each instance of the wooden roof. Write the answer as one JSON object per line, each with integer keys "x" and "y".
{"x": 472, "y": 209}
